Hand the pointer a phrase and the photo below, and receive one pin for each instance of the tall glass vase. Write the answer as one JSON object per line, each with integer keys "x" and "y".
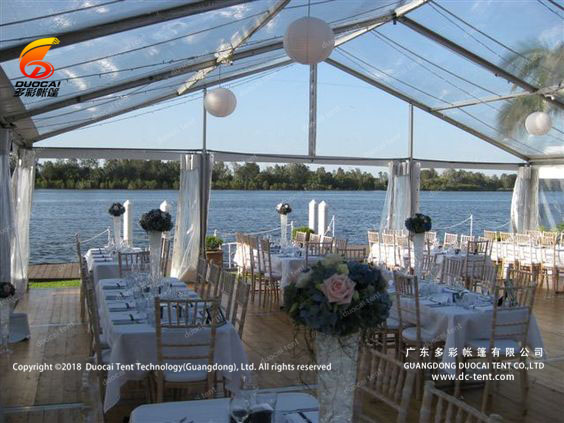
{"x": 418, "y": 251}
{"x": 335, "y": 394}
{"x": 117, "y": 232}
{"x": 155, "y": 255}
{"x": 284, "y": 230}
{"x": 4, "y": 326}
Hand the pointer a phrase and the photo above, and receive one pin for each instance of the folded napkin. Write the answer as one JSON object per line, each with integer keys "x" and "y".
{"x": 121, "y": 306}
{"x": 122, "y": 318}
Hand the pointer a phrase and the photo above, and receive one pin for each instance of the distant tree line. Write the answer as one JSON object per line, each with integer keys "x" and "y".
{"x": 155, "y": 174}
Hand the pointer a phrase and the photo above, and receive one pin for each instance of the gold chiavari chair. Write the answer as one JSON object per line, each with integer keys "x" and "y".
{"x": 270, "y": 278}
{"x": 82, "y": 290}
{"x": 452, "y": 271}
{"x": 475, "y": 261}
{"x": 464, "y": 239}
{"x": 213, "y": 279}
{"x": 166, "y": 244}
{"x": 374, "y": 246}
{"x": 490, "y": 245}
{"x": 357, "y": 254}
{"x": 403, "y": 245}
{"x": 409, "y": 314}
{"x": 431, "y": 238}
{"x": 185, "y": 319}
{"x": 228, "y": 285}
{"x": 437, "y": 406}
{"x": 385, "y": 379}
{"x": 450, "y": 240}
{"x": 340, "y": 244}
{"x": 389, "y": 249}
{"x": 300, "y": 238}
{"x": 316, "y": 250}
{"x": 512, "y": 310}
{"x": 240, "y": 307}
{"x": 253, "y": 274}
{"x": 201, "y": 272}
{"x": 487, "y": 284}
{"x": 328, "y": 240}
{"x": 127, "y": 261}
{"x": 314, "y": 238}
{"x": 490, "y": 235}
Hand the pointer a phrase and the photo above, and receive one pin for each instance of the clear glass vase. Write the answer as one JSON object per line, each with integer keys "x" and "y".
{"x": 155, "y": 256}
{"x": 117, "y": 232}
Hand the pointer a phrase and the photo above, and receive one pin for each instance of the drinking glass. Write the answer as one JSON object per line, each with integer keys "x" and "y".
{"x": 239, "y": 408}
{"x": 265, "y": 409}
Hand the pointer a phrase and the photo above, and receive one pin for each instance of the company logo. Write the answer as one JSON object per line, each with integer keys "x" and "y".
{"x": 32, "y": 64}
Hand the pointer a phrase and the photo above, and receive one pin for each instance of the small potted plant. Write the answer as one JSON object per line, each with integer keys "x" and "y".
{"x": 214, "y": 253}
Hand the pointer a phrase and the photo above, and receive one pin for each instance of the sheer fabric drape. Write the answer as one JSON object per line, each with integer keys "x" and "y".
{"x": 23, "y": 181}
{"x": 402, "y": 194}
{"x": 551, "y": 196}
{"x": 189, "y": 215}
{"x": 524, "y": 203}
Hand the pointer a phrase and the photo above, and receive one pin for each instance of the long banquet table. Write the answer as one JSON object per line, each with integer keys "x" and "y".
{"x": 132, "y": 340}
{"x": 217, "y": 410}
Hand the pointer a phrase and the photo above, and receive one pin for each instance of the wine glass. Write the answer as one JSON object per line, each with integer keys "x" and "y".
{"x": 239, "y": 408}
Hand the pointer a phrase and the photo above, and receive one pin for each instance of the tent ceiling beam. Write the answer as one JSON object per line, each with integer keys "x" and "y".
{"x": 152, "y": 102}
{"x": 424, "y": 107}
{"x": 465, "y": 103}
{"x": 496, "y": 70}
{"x": 232, "y": 156}
{"x": 359, "y": 27}
{"x": 126, "y": 24}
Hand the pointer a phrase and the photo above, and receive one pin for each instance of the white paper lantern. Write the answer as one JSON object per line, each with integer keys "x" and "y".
{"x": 309, "y": 40}
{"x": 538, "y": 123}
{"x": 220, "y": 102}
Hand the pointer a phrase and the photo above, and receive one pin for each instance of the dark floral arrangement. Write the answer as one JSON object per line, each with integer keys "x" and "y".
{"x": 418, "y": 223}
{"x": 156, "y": 220}
{"x": 7, "y": 290}
{"x": 284, "y": 208}
{"x": 338, "y": 298}
{"x": 116, "y": 210}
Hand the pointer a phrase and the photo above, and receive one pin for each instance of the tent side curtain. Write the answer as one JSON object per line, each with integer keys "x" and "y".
{"x": 23, "y": 181}
{"x": 524, "y": 203}
{"x": 188, "y": 230}
{"x": 402, "y": 194}
{"x": 551, "y": 197}
{"x": 5, "y": 207}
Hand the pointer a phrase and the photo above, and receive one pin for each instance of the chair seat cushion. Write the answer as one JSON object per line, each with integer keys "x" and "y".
{"x": 502, "y": 344}
{"x": 186, "y": 375}
{"x": 410, "y": 335}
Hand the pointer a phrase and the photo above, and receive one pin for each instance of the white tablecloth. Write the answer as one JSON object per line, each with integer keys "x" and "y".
{"x": 103, "y": 265}
{"x": 136, "y": 342}
{"x": 217, "y": 410}
{"x": 457, "y": 325}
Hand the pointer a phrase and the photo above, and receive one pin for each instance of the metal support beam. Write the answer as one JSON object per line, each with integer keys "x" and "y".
{"x": 207, "y": 61}
{"x": 312, "y": 138}
{"x": 424, "y": 107}
{"x": 410, "y": 133}
{"x": 496, "y": 70}
{"x": 126, "y": 24}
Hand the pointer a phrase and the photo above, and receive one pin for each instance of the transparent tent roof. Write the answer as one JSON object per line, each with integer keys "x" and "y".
{"x": 475, "y": 64}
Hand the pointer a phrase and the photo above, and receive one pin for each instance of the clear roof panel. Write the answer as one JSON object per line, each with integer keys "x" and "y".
{"x": 116, "y": 58}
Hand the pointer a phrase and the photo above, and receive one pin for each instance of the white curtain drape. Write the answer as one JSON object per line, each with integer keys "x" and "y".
{"x": 189, "y": 213}
{"x": 5, "y": 207}
{"x": 524, "y": 203}
{"x": 551, "y": 196}
{"x": 23, "y": 182}
{"x": 402, "y": 195}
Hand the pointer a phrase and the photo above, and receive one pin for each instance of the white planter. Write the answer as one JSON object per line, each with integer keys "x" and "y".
{"x": 155, "y": 254}
{"x": 418, "y": 251}
{"x": 336, "y": 387}
{"x": 117, "y": 232}
{"x": 284, "y": 230}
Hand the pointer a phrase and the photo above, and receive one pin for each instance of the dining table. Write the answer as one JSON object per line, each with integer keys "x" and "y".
{"x": 103, "y": 263}
{"x": 292, "y": 407}
{"x": 131, "y": 336}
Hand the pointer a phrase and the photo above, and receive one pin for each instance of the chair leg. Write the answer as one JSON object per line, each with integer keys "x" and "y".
{"x": 524, "y": 380}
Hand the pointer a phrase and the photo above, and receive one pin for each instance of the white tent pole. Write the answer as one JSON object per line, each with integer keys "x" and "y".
{"x": 203, "y": 171}
{"x": 412, "y": 194}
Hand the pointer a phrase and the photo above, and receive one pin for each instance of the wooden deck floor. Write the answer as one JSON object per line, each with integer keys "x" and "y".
{"x": 53, "y": 272}
{"x": 57, "y": 336}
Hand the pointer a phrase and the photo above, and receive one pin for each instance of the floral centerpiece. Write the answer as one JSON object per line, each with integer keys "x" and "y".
{"x": 283, "y": 210}
{"x": 336, "y": 300}
{"x": 155, "y": 222}
{"x": 7, "y": 290}
{"x": 417, "y": 225}
{"x": 116, "y": 211}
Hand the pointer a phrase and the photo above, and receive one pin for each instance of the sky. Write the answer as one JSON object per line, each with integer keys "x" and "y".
{"x": 354, "y": 119}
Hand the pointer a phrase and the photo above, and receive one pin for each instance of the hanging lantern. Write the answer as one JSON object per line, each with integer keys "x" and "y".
{"x": 309, "y": 40}
{"x": 538, "y": 123}
{"x": 220, "y": 102}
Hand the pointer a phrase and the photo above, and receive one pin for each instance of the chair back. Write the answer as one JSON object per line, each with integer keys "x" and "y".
{"x": 300, "y": 238}
{"x": 327, "y": 239}
{"x": 490, "y": 235}
{"x": 213, "y": 278}
{"x": 314, "y": 238}
{"x": 92, "y": 309}
{"x": 317, "y": 250}
{"x": 505, "y": 236}
{"x": 266, "y": 257}
{"x": 446, "y": 408}
{"x": 341, "y": 244}
{"x": 464, "y": 239}
{"x": 357, "y": 254}
{"x": 452, "y": 270}
{"x": 431, "y": 237}
{"x": 407, "y": 299}
{"x": 240, "y": 305}
{"x": 166, "y": 244}
{"x": 373, "y": 238}
{"x": 450, "y": 240}
{"x": 193, "y": 317}
{"x": 386, "y": 379}
{"x": 128, "y": 261}
{"x": 227, "y": 291}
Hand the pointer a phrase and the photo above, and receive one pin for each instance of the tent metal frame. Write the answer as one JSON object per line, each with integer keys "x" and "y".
{"x": 208, "y": 62}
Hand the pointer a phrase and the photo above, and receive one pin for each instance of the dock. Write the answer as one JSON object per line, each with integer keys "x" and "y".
{"x": 48, "y": 272}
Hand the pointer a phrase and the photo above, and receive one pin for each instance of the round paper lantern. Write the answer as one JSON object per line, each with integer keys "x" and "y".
{"x": 220, "y": 102}
{"x": 309, "y": 40}
{"x": 538, "y": 123}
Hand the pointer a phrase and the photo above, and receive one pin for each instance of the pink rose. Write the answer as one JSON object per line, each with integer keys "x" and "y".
{"x": 338, "y": 289}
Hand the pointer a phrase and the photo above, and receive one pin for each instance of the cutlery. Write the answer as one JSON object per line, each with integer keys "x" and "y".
{"x": 303, "y": 416}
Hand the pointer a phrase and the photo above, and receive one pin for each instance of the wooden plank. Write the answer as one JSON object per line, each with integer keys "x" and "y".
{"x": 53, "y": 272}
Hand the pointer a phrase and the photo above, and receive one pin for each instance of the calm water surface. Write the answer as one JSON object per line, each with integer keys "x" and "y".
{"x": 58, "y": 214}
